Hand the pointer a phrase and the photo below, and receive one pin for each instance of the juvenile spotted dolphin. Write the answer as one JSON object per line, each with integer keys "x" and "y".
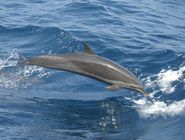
{"x": 87, "y": 63}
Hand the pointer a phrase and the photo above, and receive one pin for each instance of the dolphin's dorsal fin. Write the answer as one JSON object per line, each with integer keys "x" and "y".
{"x": 88, "y": 49}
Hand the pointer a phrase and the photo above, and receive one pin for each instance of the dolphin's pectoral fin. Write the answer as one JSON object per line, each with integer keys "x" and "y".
{"x": 112, "y": 88}
{"x": 88, "y": 49}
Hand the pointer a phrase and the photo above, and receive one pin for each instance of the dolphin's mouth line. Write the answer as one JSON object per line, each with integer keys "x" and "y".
{"x": 144, "y": 92}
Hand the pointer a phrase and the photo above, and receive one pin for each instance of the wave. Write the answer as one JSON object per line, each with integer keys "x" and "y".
{"x": 31, "y": 41}
{"x": 34, "y": 40}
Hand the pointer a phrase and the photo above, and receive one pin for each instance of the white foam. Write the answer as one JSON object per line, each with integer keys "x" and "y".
{"x": 165, "y": 83}
{"x": 159, "y": 108}
{"x": 164, "y": 80}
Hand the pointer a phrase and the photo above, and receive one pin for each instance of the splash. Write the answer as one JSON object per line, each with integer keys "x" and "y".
{"x": 8, "y": 59}
{"x": 164, "y": 82}
{"x": 19, "y": 77}
{"x": 155, "y": 108}
{"x": 14, "y": 80}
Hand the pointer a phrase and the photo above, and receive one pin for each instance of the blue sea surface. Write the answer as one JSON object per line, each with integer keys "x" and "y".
{"x": 145, "y": 36}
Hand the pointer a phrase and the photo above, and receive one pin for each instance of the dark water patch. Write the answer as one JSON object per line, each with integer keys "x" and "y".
{"x": 42, "y": 39}
{"x": 104, "y": 118}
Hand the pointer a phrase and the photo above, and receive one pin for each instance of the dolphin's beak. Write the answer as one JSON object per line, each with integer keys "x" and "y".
{"x": 143, "y": 91}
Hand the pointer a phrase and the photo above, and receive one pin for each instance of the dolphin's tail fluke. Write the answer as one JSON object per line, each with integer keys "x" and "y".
{"x": 21, "y": 61}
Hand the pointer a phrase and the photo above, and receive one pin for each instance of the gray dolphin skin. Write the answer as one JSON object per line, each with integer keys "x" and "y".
{"x": 87, "y": 63}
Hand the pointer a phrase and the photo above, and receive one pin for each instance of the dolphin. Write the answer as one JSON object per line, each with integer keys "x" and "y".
{"x": 88, "y": 63}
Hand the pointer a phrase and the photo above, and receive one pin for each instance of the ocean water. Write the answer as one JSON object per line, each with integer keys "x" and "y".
{"x": 146, "y": 37}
